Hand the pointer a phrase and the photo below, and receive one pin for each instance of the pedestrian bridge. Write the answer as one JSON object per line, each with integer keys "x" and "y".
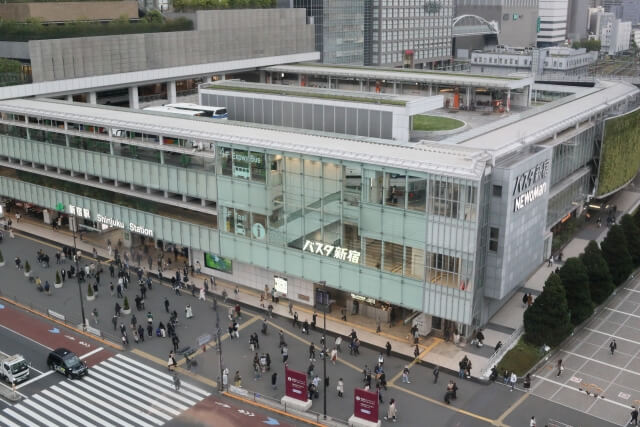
{"x": 473, "y": 25}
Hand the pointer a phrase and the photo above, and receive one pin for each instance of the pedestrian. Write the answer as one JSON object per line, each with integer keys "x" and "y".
{"x": 560, "y": 367}
{"x": 119, "y": 288}
{"x": 526, "y": 383}
{"x": 513, "y": 380}
{"x": 176, "y": 342}
{"x": 416, "y": 352}
{"x": 312, "y": 352}
{"x": 525, "y": 300}
{"x": 388, "y": 347}
{"x": 285, "y": 353}
{"x": 295, "y": 318}
{"x": 176, "y": 381}
{"x": 379, "y": 391}
{"x": 202, "y": 295}
{"x": 166, "y": 304}
{"x": 340, "y": 387}
{"x": 290, "y": 307}
{"x": 225, "y": 379}
{"x": 613, "y": 346}
{"x": 237, "y": 379}
{"x": 141, "y": 332}
{"x": 532, "y": 423}
{"x": 117, "y": 309}
{"x": 188, "y": 312}
{"x": 281, "y": 337}
{"x": 530, "y": 300}
{"x": 274, "y": 380}
{"x": 334, "y": 355}
{"x": 436, "y": 372}
{"x": 94, "y": 314}
{"x": 392, "y": 413}
{"x": 634, "y": 416}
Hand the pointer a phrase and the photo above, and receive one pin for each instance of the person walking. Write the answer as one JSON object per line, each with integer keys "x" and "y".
{"x": 188, "y": 312}
{"x": 634, "y": 416}
{"x": 176, "y": 342}
{"x": 388, "y": 347}
{"x": 436, "y": 372}
{"x": 340, "y": 387}
{"x": 613, "y": 346}
{"x": 525, "y": 300}
{"x": 285, "y": 353}
{"x": 513, "y": 380}
{"x": 560, "y": 367}
{"x": 176, "y": 381}
{"x": 166, "y": 304}
{"x": 141, "y": 332}
{"x": 334, "y": 355}
{"x": 202, "y": 295}
{"x": 274, "y": 380}
{"x": 392, "y": 413}
{"x": 532, "y": 423}
{"x": 405, "y": 374}
{"x": 312, "y": 352}
{"x": 94, "y": 314}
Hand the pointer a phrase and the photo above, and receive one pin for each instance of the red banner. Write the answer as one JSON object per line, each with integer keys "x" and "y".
{"x": 296, "y": 384}
{"x": 365, "y": 405}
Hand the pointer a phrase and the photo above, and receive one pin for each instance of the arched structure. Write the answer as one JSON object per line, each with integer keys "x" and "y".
{"x": 473, "y": 25}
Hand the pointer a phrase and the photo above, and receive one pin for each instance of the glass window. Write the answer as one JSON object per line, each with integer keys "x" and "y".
{"x": 414, "y": 263}
{"x": 258, "y": 172}
{"x": 276, "y": 164}
{"x": 37, "y": 135}
{"x": 393, "y": 254}
{"x": 226, "y": 163}
{"x": 494, "y": 236}
{"x": 373, "y": 248}
{"x": 242, "y": 223}
{"x": 352, "y": 184}
{"x": 229, "y": 219}
{"x": 497, "y": 191}
{"x": 98, "y": 146}
{"x": 60, "y": 139}
{"x": 241, "y": 164}
{"x": 395, "y": 185}
{"x": 416, "y": 193}
{"x": 373, "y": 186}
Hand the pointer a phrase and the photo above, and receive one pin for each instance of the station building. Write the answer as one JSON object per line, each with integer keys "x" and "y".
{"x": 444, "y": 230}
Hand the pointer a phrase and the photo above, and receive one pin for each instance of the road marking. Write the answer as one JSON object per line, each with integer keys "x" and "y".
{"x": 26, "y": 337}
{"x": 58, "y": 408}
{"x": 183, "y": 371}
{"x": 35, "y": 416}
{"x": 91, "y": 353}
{"x": 32, "y": 380}
{"x": 269, "y": 408}
{"x": 104, "y": 414}
{"x": 417, "y": 359}
{"x": 613, "y": 336}
{"x": 510, "y": 409}
{"x": 20, "y": 418}
{"x": 48, "y": 413}
{"x": 632, "y": 290}
{"x": 578, "y": 391}
{"x": 444, "y": 405}
{"x": 600, "y": 362}
{"x": 7, "y": 422}
{"x": 622, "y": 312}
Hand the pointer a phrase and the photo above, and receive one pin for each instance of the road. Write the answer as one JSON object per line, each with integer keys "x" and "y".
{"x": 478, "y": 404}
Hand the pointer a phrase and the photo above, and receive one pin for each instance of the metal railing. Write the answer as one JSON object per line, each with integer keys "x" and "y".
{"x": 506, "y": 346}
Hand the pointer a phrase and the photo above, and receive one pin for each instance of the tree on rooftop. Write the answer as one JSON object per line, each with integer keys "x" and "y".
{"x": 547, "y": 321}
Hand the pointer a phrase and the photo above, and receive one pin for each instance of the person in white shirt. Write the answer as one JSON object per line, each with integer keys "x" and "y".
{"x": 513, "y": 380}
{"x": 532, "y": 423}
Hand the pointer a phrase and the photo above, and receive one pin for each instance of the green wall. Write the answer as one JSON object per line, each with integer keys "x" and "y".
{"x": 620, "y": 158}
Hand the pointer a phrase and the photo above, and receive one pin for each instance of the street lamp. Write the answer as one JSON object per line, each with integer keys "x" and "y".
{"x": 75, "y": 256}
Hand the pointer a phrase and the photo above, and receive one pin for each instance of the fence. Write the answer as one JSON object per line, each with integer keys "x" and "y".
{"x": 506, "y": 346}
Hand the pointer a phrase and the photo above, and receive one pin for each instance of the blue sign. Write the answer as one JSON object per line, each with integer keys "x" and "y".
{"x": 271, "y": 421}
{"x": 1, "y": 306}
{"x": 54, "y": 331}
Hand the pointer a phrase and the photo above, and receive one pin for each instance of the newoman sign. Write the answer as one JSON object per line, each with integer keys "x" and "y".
{"x": 528, "y": 186}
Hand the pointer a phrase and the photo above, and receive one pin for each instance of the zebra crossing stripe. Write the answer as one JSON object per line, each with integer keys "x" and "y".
{"x": 104, "y": 414}
{"x": 162, "y": 374}
{"x": 76, "y": 390}
{"x": 63, "y": 411}
{"x": 7, "y": 422}
{"x": 48, "y": 413}
{"x": 20, "y": 418}
{"x": 34, "y": 415}
{"x": 142, "y": 405}
{"x": 62, "y": 401}
{"x": 155, "y": 379}
{"x": 95, "y": 374}
{"x": 162, "y": 389}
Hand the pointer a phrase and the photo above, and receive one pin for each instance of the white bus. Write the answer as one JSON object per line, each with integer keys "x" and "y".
{"x": 165, "y": 109}
{"x": 211, "y": 112}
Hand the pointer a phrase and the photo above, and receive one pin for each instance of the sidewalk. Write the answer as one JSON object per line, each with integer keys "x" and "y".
{"x": 433, "y": 350}
{"x": 510, "y": 316}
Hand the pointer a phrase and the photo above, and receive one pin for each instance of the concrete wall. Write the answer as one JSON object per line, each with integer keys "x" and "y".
{"x": 69, "y": 11}
{"x": 260, "y": 33}
{"x": 14, "y": 50}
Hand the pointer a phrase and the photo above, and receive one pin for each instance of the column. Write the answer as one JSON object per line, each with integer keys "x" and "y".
{"x": 133, "y": 98}
{"x": 468, "y": 98}
{"x": 361, "y": 85}
{"x": 394, "y": 88}
{"x": 329, "y": 82}
{"x": 263, "y": 76}
{"x": 69, "y": 98}
{"x": 171, "y": 92}
{"x": 93, "y": 97}
{"x": 508, "y": 100}
{"x": 430, "y": 90}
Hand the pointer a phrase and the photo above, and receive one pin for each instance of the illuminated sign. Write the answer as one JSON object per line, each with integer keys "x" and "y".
{"x": 119, "y": 224}
{"x": 78, "y": 211}
{"x": 343, "y": 254}
{"x": 280, "y": 284}
{"x": 363, "y": 298}
{"x": 525, "y": 185}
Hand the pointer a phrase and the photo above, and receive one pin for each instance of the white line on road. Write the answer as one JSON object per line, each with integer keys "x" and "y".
{"x": 577, "y": 390}
{"x": 32, "y": 380}
{"x": 11, "y": 391}
{"x": 632, "y": 290}
{"x": 600, "y": 362}
{"x": 27, "y": 338}
{"x": 613, "y": 336}
{"x": 91, "y": 353}
{"x": 622, "y": 312}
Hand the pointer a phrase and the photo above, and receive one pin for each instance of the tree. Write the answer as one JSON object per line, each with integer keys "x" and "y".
{"x": 89, "y": 290}
{"x": 547, "y": 321}
{"x": 600, "y": 282}
{"x": 125, "y": 304}
{"x": 58, "y": 280}
{"x": 576, "y": 284}
{"x": 154, "y": 16}
{"x": 632, "y": 234}
{"x": 590, "y": 45}
{"x": 615, "y": 252}
{"x": 27, "y": 267}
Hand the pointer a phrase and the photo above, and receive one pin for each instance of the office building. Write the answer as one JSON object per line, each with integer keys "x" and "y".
{"x": 578, "y": 20}
{"x": 553, "y": 22}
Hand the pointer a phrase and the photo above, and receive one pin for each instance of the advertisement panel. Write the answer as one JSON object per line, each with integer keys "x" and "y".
{"x": 281, "y": 284}
{"x": 218, "y": 263}
{"x": 365, "y": 405}
{"x": 296, "y": 384}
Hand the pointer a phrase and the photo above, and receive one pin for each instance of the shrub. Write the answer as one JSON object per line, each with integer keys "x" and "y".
{"x": 576, "y": 284}
{"x": 58, "y": 279}
{"x": 520, "y": 359}
{"x": 615, "y": 252}
{"x": 10, "y": 66}
{"x": 1, "y": 257}
{"x": 547, "y": 320}
{"x": 632, "y": 234}
{"x": 27, "y": 267}
{"x": 600, "y": 282}
{"x": 125, "y": 304}
{"x": 89, "y": 290}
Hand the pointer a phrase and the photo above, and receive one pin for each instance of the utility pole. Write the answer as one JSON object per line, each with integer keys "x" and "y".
{"x": 75, "y": 256}
{"x": 219, "y": 344}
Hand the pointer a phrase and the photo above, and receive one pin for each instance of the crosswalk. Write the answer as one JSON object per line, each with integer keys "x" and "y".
{"x": 119, "y": 391}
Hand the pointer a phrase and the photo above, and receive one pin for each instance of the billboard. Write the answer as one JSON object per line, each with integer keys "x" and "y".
{"x": 218, "y": 263}
{"x": 365, "y": 405}
{"x": 295, "y": 384}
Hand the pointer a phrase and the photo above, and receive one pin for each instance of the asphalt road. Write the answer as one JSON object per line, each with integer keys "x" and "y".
{"x": 477, "y": 404}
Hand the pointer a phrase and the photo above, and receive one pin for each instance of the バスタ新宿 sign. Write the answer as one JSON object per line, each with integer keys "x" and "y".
{"x": 295, "y": 384}
{"x": 325, "y": 249}
{"x": 528, "y": 186}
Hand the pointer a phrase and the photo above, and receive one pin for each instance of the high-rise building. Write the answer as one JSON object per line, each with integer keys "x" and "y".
{"x": 413, "y": 33}
{"x": 553, "y": 22}
{"x": 578, "y": 19}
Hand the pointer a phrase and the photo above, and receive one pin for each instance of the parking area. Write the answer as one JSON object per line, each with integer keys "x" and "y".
{"x": 595, "y": 381}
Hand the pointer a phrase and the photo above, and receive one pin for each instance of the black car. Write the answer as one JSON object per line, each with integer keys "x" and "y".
{"x": 67, "y": 363}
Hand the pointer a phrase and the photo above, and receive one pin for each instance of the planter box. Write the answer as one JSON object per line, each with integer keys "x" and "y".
{"x": 27, "y": 274}
{"x": 123, "y": 311}
{"x": 2, "y": 264}
{"x": 91, "y": 297}
{"x": 57, "y": 285}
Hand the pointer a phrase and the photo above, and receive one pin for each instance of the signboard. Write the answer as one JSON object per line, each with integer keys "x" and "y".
{"x": 203, "y": 339}
{"x": 365, "y": 405}
{"x": 296, "y": 385}
{"x": 281, "y": 284}
{"x": 218, "y": 263}
{"x": 111, "y": 222}
{"x": 343, "y": 254}
{"x": 55, "y": 314}
{"x": 526, "y": 185}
